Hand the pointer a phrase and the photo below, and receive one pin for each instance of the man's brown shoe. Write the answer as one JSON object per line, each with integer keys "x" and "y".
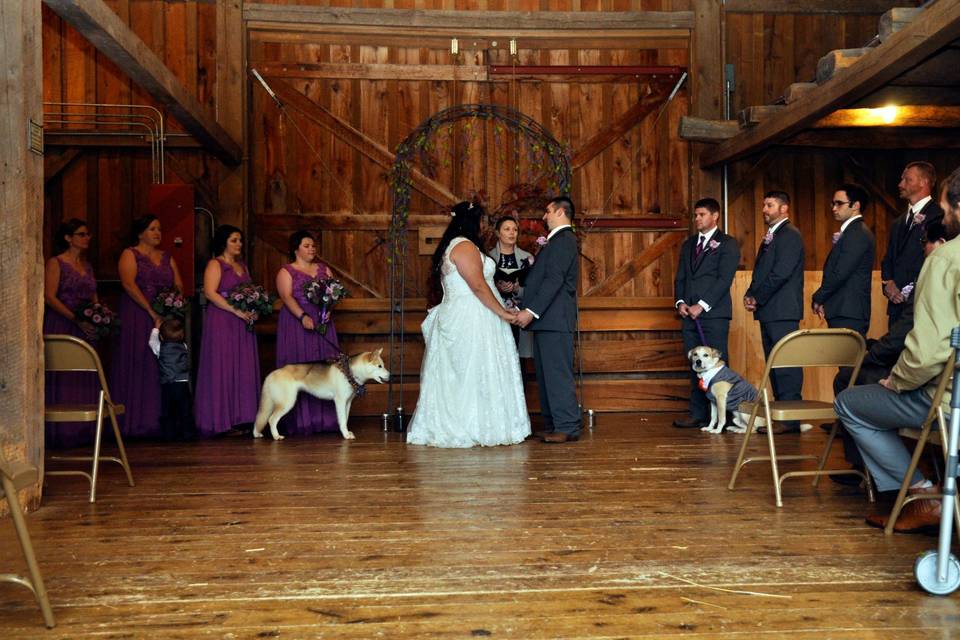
{"x": 917, "y": 516}
{"x": 559, "y": 438}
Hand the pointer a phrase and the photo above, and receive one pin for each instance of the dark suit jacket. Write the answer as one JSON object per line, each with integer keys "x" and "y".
{"x": 710, "y": 276}
{"x": 777, "y": 283}
{"x": 551, "y": 289}
{"x": 886, "y": 351}
{"x": 845, "y": 290}
{"x": 904, "y": 256}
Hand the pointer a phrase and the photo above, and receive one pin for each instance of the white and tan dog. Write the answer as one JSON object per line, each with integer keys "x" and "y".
{"x": 724, "y": 387}
{"x": 322, "y": 380}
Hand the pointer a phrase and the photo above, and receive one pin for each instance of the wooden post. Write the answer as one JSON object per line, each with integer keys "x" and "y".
{"x": 21, "y": 226}
{"x": 231, "y": 109}
{"x": 706, "y": 55}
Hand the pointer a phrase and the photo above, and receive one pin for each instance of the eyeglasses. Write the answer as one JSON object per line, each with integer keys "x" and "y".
{"x": 82, "y": 234}
{"x": 839, "y": 203}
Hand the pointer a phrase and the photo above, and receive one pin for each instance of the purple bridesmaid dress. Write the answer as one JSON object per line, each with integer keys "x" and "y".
{"x": 228, "y": 381}
{"x": 74, "y": 289}
{"x": 135, "y": 375}
{"x": 295, "y": 345}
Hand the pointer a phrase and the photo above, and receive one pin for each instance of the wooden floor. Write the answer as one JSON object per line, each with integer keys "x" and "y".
{"x": 630, "y": 533}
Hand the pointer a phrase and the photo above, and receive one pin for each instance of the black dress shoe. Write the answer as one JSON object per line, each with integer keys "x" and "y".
{"x": 847, "y": 479}
{"x": 688, "y": 423}
{"x": 559, "y": 438}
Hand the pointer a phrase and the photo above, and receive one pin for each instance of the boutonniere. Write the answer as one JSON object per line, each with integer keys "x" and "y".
{"x": 907, "y": 290}
{"x": 713, "y": 245}
{"x": 542, "y": 241}
{"x": 768, "y": 237}
{"x": 836, "y": 237}
{"x": 918, "y": 218}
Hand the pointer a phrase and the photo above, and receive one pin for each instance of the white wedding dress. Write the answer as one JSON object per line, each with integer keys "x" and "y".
{"x": 471, "y": 391}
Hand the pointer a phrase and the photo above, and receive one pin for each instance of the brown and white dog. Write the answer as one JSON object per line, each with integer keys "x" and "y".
{"x": 724, "y": 388}
{"x": 319, "y": 379}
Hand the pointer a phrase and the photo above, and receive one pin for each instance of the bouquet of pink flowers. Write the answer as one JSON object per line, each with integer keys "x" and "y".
{"x": 100, "y": 317}
{"x": 169, "y": 303}
{"x": 325, "y": 294}
{"x": 250, "y": 298}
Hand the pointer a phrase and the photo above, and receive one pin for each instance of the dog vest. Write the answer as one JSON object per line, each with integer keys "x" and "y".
{"x": 741, "y": 391}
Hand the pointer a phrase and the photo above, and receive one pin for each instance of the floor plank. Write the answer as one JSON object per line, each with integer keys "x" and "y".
{"x": 629, "y": 533}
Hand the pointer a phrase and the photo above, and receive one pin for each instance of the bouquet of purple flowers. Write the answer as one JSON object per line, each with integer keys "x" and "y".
{"x": 169, "y": 303}
{"x": 325, "y": 294}
{"x": 98, "y": 316}
{"x": 251, "y": 298}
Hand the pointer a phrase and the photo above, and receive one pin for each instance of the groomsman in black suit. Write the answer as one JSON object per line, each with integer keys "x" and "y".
{"x": 904, "y": 257}
{"x": 843, "y": 298}
{"x": 708, "y": 263}
{"x": 775, "y": 295}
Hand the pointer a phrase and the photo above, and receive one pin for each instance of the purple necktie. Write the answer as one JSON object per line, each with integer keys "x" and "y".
{"x": 699, "y": 247}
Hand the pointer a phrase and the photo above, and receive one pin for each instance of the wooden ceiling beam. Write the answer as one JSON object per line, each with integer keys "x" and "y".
{"x": 931, "y": 31}
{"x": 877, "y": 138}
{"x": 452, "y": 21}
{"x": 847, "y": 7}
{"x": 104, "y": 29}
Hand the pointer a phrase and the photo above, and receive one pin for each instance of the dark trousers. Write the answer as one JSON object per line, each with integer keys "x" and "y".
{"x": 176, "y": 411}
{"x": 715, "y": 332}
{"x": 787, "y": 383}
{"x": 856, "y": 324}
{"x": 553, "y": 360}
{"x": 869, "y": 374}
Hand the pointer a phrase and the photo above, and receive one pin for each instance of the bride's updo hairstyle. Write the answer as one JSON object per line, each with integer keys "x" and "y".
{"x": 465, "y": 218}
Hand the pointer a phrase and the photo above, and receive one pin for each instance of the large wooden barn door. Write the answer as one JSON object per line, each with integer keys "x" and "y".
{"x": 322, "y": 164}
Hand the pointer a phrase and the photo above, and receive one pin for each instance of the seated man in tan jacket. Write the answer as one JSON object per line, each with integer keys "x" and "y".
{"x": 872, "y": 414}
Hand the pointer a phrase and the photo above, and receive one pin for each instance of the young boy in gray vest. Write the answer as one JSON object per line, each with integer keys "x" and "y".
{"x": 168, "y": 343}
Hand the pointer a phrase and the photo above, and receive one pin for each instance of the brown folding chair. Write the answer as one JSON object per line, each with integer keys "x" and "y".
{"x": 804, "y": 348}
{"x": 15, "y": 476}
{"x": 66, "y": 353}
{"x": 923, "y": 436}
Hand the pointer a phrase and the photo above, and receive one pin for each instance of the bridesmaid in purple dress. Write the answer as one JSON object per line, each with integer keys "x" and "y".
{"x": 68, "y": 282}
{"x": 297, "y": 338}
{"x": 228, "y": 381}
{"x": 135, "y": 376}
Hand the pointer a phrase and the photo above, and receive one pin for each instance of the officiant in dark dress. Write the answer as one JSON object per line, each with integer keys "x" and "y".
{"x": 513, "y": 265}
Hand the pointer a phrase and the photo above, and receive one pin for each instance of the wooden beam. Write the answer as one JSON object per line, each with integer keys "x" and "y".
{"x": 897, "y": 95}
{"x": 930, "y": 32}
{"x": 797, "y": 89}
{"x": 53, "y": 164}
{"x": 706, "y": 87}
{"x": 629, "y": 270}
{"x": 876, "y": 191}
{"x": 356, "y": 139}
{"x": 800, "y": 7}
{"x": 616, "y": 129}
{"x": 513, "y": 22}
{"x": 361, "y": 71}
{"x": 704, "y": 130}
{"x": 115, "y": 40}
{"x": 939, "y": 71}
{"x": 21, "y": 243}
{"x": 231, "y": 101}
{"x": 207, "y": 195}
{"x": 876, "y": 138}
{"x": 836, "y": 61}
{"x": 752, "y": 116}
{"x": 99, "y": 138}
{"x": 896, "y": 19}
{"x": 905, "y": 116}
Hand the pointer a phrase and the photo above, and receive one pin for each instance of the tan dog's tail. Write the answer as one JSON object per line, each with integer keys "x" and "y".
{"x": 266, "y": 407}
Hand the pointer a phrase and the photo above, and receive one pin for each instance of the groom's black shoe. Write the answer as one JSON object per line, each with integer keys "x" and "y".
{"x": 559, "y": 438}
{"x": 688, "y": 423}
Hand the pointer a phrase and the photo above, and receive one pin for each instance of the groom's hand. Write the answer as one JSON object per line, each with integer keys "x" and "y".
{"x": 523, "y": 318}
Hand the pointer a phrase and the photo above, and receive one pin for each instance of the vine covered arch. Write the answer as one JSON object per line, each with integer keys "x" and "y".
{"x": 538, "y": 162}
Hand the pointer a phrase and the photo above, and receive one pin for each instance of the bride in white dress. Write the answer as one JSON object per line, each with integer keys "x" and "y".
{"x": 471, "y": 391}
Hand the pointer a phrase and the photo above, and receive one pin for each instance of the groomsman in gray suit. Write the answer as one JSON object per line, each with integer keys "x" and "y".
{"x": 775, "y": 295}
{"x": 708, "y": 264}
{"x": 843, "y": 298}
{"x": 550, "y": 300}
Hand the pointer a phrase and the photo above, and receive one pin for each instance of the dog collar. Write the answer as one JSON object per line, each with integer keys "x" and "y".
{"x": 343, "y": 363}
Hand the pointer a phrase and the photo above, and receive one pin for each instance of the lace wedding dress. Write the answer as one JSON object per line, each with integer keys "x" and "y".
{"x": 471, "y": 392}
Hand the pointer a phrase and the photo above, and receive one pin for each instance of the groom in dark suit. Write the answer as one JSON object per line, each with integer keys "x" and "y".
{"x": 550, "y": 300}
{"x": 843, "y": 298}
{"x": 708, "y": 264}
{"x": 775, "y": 295}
